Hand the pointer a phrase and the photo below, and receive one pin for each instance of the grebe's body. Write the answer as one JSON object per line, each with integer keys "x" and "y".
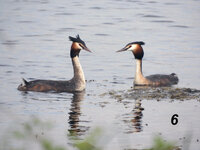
{"x": 152, "y": 80}
{"x": 76, "y": 84}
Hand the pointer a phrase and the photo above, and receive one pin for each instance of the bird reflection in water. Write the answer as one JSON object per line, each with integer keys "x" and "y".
{"x": 137, "y": 118}
{"x": 134, "y": 119}
{"x": 74, "y": 115}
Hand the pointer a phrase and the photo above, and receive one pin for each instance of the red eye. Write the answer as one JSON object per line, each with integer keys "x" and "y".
{"x": 81, "y": 45}
{"x": 129, "y": 46}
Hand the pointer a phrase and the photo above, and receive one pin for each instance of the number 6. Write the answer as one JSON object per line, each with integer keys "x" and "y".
{"x": 174, "y": 119}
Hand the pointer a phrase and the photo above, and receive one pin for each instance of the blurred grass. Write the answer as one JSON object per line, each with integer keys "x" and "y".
{"x": 30, "y": 132}
{"x": 90, "y": 142}
{"x": 47, "y": 145}
{"x": 160, "y": 144}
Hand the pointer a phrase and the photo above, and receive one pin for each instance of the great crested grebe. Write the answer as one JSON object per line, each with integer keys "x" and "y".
{"x": 152, "y": 80}
{"x": 76, "y": 84}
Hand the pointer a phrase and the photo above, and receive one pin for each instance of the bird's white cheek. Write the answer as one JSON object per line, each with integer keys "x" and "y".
{"x": 78, "y": 46}
{"x": 134, "y": 46}
{"x": 129, "y": 49}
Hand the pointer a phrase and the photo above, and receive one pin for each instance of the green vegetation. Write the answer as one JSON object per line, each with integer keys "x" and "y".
{"x": 160, "y": 144}
{"x": 90, "y": 142}
{"x": 32, "y": 131}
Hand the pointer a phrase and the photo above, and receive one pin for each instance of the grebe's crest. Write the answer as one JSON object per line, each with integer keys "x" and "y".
{"x": 78, "y": 40}
{"x": 24, "y": 82}
{"x": 77, "y": 45}
{"x": 137, "y": 42}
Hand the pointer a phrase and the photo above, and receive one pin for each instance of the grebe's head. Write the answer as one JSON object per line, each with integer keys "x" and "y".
{"x": 77, "y": 46}
{"x": 136, "y": 48}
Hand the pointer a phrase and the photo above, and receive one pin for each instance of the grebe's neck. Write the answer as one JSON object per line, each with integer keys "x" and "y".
{"x": 138, "y": 67}
{"x": 139, "y": 78}
{"x": 78, "y": 71}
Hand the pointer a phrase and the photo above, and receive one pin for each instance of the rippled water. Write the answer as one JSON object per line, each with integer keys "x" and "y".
{"x": 34, "y": 44}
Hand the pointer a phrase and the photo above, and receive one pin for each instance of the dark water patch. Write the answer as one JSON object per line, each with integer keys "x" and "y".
{"x": 97, "y": 70}
{"x": 126, "y": 65}
{"x": 11, "y": 58}
{"x": 30, "y": 65}
{"x": 78, "y": 4}
{"x": 130, "y": 78}
{"x": 108, "y": 23}
{"x": 57, "y": 78}
{"x": 22, "y": 72}
{"x": 103, "y": 104}
{"x": 117, "y": 18}
{"x": 115, "y": 77}
{"x": 16, "y": 9}
{"x": 47, "y": 66}
{"x": 140, "y": 14}
{"x": 44, "y": 2}
{"x": 96, "y": 8}
{"x": 64, "y": 14}
{"x": 48, "y": 40}
{"x": 32, "y": 35}
{"x": 134, "y": 1}
{"x": 162, "y": 21}
{"x": 100, "y": 84}
{"x": 42, "y": 10}
{"x": 40, "y": 99}
{"x": 58, "y": 55}
{"x": 10, "y": 42}
{"x": 123, "y": 20}
{"x": 5, "y": 65}
{"x": 8, "y": 72}
{"x": 117, "y": 82}
{"x": 84, "y": 25}
{"x": 61, "y": 7}
{"x": 180, "y": 26}
{"x": 88, "y": 81}
{"x": 25, "y": 21}
{"x": 101, "y": 34}
{"x": 171, "y": 3}
{"x": 2, "y": 103}
{"x": 149, "y": 93}
{"x": 31, "y": 62}
{"x": 120, "y": 19}
{"x": 152, "y": 16}
{"x": 152, "y": 2}
{"x": 65, "y": 29}
{"x": 32, "y": 1}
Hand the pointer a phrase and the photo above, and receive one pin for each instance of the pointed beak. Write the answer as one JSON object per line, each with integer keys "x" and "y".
{"x": 87, "y": 49}
{"x": 123, "y": 49}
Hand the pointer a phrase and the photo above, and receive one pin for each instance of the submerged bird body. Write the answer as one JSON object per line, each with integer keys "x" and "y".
{"x": 163, "y": 80}
{"x": 52, "y": 85}
{"x": 76, "y": 84}
{"x": 152, "y": 80}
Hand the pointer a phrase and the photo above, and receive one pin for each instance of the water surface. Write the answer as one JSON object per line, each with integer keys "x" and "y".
{"x": 34, "y": 44}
